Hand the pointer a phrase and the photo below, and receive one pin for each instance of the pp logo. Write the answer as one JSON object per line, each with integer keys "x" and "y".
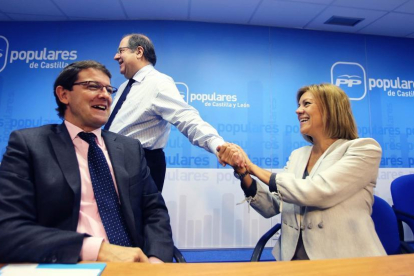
{"x": 183, "y": 89}
{"x": 4, "y": 50}
{"x": 351, "y": 77}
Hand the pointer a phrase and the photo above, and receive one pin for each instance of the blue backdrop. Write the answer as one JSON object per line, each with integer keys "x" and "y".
{"x": 242, "y": 79}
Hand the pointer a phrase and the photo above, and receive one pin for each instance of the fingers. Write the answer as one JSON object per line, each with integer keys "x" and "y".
{"x": 246, "y": 160}
{"x": 221, "y": 154}
{"x": 155, "y": 260}
{"x": 220, "y": 149}
{"x": 142, "y": 258}
{"x": 114, "y": 253}
{"x": 232, "y": 155}
{"x": 238, "y": 159}
{"x": 225, "y": 155}
{"x": 221, "y": 162}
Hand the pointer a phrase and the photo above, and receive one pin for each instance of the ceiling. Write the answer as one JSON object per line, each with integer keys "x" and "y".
{"x": 381, "y": 17}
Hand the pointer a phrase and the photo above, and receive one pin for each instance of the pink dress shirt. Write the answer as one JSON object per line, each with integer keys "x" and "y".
{"x": 89, "y": 219}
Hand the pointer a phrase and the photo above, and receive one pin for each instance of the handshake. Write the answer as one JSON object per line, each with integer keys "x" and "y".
{"x": 233, "y": 155}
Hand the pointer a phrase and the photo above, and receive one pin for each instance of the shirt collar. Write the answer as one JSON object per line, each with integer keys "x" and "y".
{"x": 74, "y": 130}
{"x": 143, "y": 72}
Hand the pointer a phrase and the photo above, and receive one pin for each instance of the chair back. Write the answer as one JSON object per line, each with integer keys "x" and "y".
{"x": 257, "y": 251}
{"x": 178, "y": 256}
{"x": 402, "y": 192}
{"x": 386, "y": 226}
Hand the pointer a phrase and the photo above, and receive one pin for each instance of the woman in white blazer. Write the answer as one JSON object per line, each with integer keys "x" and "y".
{"x": 325, "y": 193}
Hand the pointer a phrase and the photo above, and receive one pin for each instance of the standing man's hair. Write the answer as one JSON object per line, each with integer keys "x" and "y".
{"x": 69, "y": 76}
{"x": 136, "y": 40}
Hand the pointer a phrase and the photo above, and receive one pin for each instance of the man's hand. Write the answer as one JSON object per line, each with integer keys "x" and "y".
{"x": 218, "y": 157}
{"x": 115, "y": 253}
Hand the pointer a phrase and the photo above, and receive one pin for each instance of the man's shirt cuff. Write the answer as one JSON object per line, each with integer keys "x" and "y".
{"x": 90, "y": 249}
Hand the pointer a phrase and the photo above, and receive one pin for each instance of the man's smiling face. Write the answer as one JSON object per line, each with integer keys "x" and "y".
{"x": 128, "y": 59}
{"x": 87, "y": 109}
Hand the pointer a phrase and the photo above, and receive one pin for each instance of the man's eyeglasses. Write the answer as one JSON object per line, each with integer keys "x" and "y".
{"x": 122, "y": 49}
{"x": 96, "y": 86}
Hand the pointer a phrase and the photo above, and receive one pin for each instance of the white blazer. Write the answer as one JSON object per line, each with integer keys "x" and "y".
{"x": 338, "y": 195}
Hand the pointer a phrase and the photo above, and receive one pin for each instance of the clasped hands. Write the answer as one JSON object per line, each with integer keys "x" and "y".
{"x": 233, "y": 155}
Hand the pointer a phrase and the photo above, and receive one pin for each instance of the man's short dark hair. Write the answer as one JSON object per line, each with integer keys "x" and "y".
{"x": 69, "y": 75}
{"x": 136, "y": 40}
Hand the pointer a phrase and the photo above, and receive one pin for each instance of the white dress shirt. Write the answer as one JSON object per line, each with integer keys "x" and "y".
{"x": 152, "y": 105}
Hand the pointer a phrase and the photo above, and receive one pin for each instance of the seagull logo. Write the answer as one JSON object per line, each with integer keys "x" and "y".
{"x": 350, "y": 76}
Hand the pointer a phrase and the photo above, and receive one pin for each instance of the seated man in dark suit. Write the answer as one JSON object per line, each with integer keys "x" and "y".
{"x": 74, "y": 192}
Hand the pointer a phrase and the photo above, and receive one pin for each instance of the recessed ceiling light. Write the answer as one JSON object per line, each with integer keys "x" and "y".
{"x": 343, "y": 21}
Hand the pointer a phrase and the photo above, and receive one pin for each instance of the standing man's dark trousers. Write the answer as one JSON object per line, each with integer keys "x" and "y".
{"x": 157, "y": 165}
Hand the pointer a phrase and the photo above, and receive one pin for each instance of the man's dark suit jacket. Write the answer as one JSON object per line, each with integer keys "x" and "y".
{"x": 40, "y": 191}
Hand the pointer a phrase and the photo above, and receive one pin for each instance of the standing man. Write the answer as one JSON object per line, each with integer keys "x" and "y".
{"x": 72, "y": 192}
{"x": 151, "y": 103}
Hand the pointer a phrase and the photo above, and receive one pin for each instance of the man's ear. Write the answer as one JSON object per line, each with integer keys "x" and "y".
{"x": 62, "y": 94}
{"x": 140, "y": 52}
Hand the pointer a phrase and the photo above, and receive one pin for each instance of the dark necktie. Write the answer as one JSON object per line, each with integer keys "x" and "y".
{"x": 105, "y": 194}
{"x": 121, "y": 100}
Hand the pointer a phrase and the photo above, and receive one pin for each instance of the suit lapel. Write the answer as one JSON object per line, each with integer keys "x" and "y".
{"x": 117, "y": 155}
{"x": 300, "y": 168}
{"x": 68, "y": 162}
{"x": 302, "y": 163}
{"x": 326, "y": 153}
